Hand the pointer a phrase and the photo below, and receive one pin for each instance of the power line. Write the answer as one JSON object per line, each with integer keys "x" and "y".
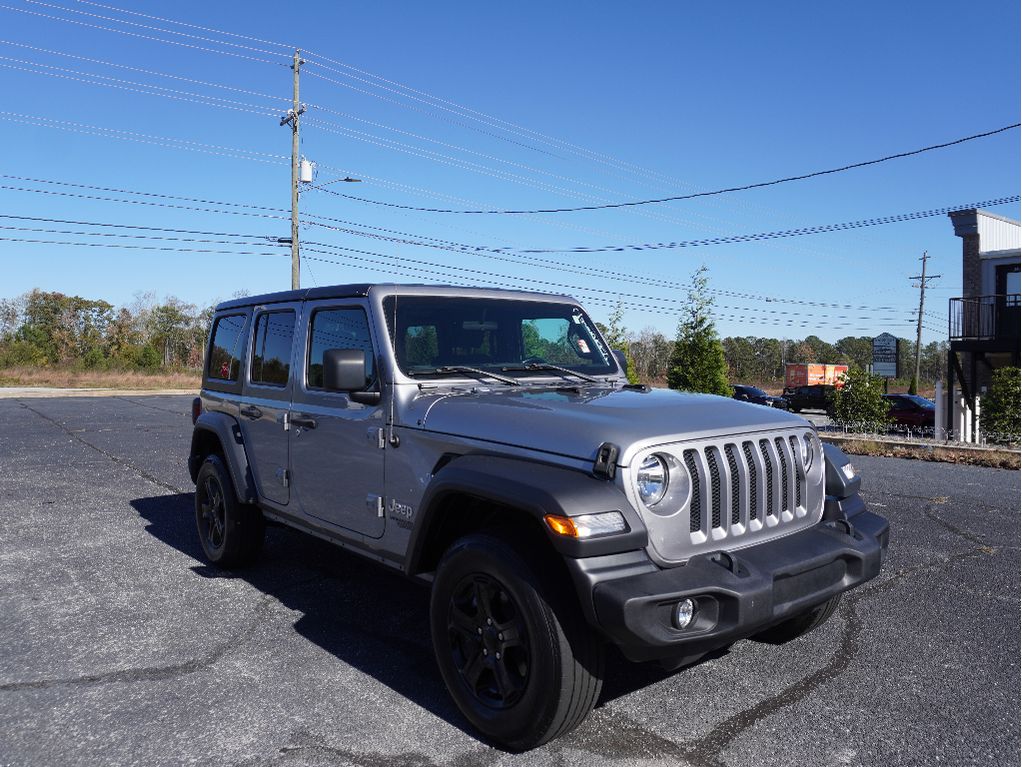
{"x": 712, "y": 193}
{"x": 499, "y": 255}
{"x": 118, "y": 235}
{"x": 405, "y": 270}
{"x": 140, "y": 36}
{"x": 405, "y": 238}
{"x": 562, "y": 286}
{"x": 143, "y": 138}
{"x": 184, "y": 24}
{"x": 136, "y": 247}
{"x": 72, "y": 222}
{"x": 150, "y": 27}
{"x": 90, "y": 78}
{"x": 140, "y": 70}
{"x": 803, "y": 231}
{"x": 53, "y": 192}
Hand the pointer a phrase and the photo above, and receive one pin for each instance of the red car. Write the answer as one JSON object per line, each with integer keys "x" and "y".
{"x": 910, "y": 410}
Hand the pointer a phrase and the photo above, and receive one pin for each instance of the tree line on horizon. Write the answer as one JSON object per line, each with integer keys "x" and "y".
{"x": 42, "y": 328}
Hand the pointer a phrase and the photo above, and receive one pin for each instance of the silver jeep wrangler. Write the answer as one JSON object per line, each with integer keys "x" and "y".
{"x": 488, "y": 441}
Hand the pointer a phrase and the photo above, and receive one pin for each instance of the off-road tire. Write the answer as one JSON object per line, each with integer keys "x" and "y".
{"x": 231, "y": 532}
{"x": 801, "y": 624}
{"x": 551, "y": 678}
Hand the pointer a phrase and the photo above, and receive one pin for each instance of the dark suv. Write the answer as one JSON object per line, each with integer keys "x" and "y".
{"x": 816, "y": 397}
{"x": 488, "y": 443}
{"x": 757, "y": 396}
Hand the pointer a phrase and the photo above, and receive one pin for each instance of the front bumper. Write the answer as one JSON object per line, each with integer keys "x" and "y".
{"x": 740, "y": 593}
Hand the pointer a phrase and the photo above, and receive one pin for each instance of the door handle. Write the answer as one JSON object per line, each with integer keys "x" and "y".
{"x": 303, "y": 421}
{"x": 251, "y": 411}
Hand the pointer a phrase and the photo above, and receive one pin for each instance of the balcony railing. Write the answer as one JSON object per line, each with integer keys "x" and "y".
{"x": 984, "y": 318}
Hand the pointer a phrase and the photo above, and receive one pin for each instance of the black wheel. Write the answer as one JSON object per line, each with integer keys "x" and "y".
{"x": 231, "y": 532}
{"x": 801, "y": 624}
{"x": 520, "y": 663}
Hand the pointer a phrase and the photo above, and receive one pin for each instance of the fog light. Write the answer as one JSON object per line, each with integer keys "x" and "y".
{"x": 684, "y": 612}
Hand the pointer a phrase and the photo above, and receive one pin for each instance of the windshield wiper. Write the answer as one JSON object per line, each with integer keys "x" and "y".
{"x": 469, "y": 371}
{"x": 556, "y": 368}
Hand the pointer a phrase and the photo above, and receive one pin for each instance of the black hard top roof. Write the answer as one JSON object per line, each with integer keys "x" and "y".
{"x": 360, "y": 290}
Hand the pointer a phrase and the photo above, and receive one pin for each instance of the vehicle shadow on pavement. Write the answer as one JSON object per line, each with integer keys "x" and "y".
{"x": 367, "y": 616}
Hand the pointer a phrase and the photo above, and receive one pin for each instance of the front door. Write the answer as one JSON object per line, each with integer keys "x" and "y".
{"x": 336, "y": 444}
{"x": 267, "y": 398}
{"x": 1007, "y": 300}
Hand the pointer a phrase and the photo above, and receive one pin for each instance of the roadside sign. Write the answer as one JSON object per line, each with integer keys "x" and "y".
{"x": 885, "y": 356}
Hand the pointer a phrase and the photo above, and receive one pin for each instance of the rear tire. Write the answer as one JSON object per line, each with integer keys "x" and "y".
{"x": 231, "y": 532}
{"x": 517, "y": 656}
{"x": 801, "y": 624}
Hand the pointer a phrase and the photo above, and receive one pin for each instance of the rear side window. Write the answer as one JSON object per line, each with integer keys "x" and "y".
{"x": 271, "y": 348}
{"x": 225, "y": 351}
{"x": 338, "y": 329}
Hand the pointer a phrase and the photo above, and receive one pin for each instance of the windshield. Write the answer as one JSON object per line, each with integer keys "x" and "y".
{"x": 434, "y": 334}
{"x": 920, "y": 401}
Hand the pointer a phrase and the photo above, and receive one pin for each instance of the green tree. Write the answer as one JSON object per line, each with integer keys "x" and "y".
{"x": 855, "y": 351}
{"x": 697, "y": 363}
{"x": 1000, "y": 406}
{"x": 860, "y": 403}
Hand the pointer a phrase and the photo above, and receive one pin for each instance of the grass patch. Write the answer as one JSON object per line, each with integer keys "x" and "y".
{"x": 998, "y": 458}
{"x": 64, "y": 378}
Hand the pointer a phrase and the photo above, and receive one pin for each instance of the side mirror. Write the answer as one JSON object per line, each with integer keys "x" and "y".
{"x": 344, "y": 370}
{"x": 622, "y": 360}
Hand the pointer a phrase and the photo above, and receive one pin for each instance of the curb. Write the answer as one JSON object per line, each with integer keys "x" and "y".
{"x": 37, "y": 392}
{"x": 979, "y": 455}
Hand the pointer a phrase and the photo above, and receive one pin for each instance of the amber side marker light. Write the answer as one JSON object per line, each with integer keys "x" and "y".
{"x": 587, "y": 526}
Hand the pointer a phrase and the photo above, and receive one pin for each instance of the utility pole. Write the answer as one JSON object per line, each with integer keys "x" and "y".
{"x": 919, "y": 320}
{"x": 292, "y": 119}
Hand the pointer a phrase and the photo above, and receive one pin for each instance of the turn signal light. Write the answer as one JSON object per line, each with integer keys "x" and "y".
{"x": 587, "y": 525}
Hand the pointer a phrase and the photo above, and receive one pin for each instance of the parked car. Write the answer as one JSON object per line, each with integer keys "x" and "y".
{"x": 910, "y": 410}
{"x": 815, "y": 397}
{"x": 488, "y": 444}
{"x": 758, "y": 396}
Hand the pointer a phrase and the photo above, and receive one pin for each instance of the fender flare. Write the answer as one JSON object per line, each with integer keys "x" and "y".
{"x": 536, "y": 489}
{"x": 228, "y": 433}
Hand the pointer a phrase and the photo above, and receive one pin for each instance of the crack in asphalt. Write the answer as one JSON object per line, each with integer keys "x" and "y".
{"x": 154, "y": 673}
{"x": 181, "y": 413}
{"x": 306, "y": 744}
{"x": 628, "y": 738}
{"x": 115, "y": 458}
{"x": 173, "y": 670}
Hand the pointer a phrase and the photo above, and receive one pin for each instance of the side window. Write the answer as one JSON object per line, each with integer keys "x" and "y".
{"x": 338, "y": 329}
{"x": 225, "y": 350}
{"x": 271, "y": 348}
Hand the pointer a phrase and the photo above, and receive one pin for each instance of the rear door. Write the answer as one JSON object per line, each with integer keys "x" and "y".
{"x": 266, "y": 399}
{"x": 336, "y": 444}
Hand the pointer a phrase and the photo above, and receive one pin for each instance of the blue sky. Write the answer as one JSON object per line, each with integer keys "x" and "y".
{"x": 571, "y": 104}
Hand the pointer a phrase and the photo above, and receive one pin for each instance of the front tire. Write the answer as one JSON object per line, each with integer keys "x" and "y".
{"x": 231, "y": 532}
{"x": 520, "y": 663}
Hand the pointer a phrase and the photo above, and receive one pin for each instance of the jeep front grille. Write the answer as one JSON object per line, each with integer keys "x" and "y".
{"x": 742, "y": 491}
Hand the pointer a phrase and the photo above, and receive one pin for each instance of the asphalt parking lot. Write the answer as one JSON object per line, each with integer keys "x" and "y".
{"x": 119, "y": 645}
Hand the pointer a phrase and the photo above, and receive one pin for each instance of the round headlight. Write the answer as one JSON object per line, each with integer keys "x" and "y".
{"x": 806, "y": 445}
{"x": 651, "y": 480}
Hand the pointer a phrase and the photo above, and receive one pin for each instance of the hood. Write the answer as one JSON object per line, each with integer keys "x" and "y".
{"x": 574, "y": 422}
